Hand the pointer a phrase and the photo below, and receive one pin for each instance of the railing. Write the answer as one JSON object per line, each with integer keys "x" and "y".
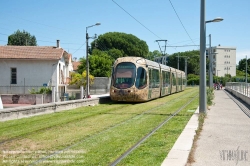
{"x": 13, "y": 89}
{"x": 240, "y": 87}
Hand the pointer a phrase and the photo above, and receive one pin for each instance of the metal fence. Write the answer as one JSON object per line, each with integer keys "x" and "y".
{"x": 60, "y": 95}
{"x": 240, "y": 87}
{"x": 11, "y": 89}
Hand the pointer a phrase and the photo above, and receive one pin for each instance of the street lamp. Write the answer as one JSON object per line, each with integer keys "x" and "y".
{"x": 87, "y": 60}
{"x": 210, "y": 54}
{"x": 218, "y": 19}
{"x": 202, "y": 86}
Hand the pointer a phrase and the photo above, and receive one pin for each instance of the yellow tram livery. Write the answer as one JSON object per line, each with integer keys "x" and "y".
{"x": 135, "y": 79}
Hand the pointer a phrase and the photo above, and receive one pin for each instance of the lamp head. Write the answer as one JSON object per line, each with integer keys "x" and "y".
{"x": 98, "y": 23}
{"x": 218, "y": 19}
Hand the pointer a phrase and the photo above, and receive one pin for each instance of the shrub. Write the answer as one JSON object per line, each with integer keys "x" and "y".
{"x": 43, "y": 90}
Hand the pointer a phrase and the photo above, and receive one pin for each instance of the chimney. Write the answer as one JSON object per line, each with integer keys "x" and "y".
{"x": 58, "y": 43}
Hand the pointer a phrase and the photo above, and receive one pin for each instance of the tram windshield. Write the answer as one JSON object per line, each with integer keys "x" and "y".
{"x": 124, "y": 75}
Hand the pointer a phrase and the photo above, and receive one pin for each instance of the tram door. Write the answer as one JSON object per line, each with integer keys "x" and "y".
{"x": 154, "y": 83}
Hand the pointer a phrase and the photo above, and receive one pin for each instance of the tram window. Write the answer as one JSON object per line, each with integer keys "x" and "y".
{"x": 163, "y": 78}
{"x": 141, "y": 78}
{"x": 179, "y": 79}
{"x": 124, "y": 75}
{"x": 154, "y": 78}
{"x": 157, "y": 78}
{"x": 167, "y": 79}
{"x": 150, "y": 78}
{"x": 174, "y": 79}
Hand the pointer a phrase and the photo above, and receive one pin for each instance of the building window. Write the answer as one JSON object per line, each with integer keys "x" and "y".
{"x": 13, "y": 76}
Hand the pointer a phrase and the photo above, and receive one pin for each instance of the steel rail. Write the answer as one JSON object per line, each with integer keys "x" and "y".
{"x": 109, "y": 128}
{"x": 149, "y": 134}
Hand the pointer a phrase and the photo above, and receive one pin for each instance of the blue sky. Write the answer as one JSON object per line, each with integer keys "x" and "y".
{"x": 149, "y": 20}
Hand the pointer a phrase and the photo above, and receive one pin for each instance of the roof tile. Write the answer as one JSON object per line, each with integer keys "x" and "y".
{"x": 30, "y": 52}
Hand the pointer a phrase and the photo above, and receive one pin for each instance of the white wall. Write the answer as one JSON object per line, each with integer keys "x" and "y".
{"x": 225, "y": 61}
{"x": 29, "y": 72}
{"x": 32, "y": 73}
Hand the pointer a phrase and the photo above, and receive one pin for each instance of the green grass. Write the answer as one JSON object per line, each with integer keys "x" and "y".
{"x": 98, "y": 135}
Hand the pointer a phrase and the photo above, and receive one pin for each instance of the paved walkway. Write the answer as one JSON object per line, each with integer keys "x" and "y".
{"x": 225, "y": 138}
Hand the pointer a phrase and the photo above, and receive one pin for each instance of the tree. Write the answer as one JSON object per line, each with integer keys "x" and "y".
{"x": 152, "y": 55}
{"x": 100, "y": 64}
{"x": 81, "y": 79}
{"x": 127, "y": 44}
{"x": 242, "y": 65}
{"x": 192, "y": 62}
{"x": 82, "y": 65}
{"x": 23, "y": 38}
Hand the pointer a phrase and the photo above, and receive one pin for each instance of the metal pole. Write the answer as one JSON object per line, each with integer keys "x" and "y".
{"x": 186, "y": 68}
{"x": 246, "y": 69}
{"x": 178, "y": 61}
{"x": 210, "y": 64}
{"x": 202, "y": 86}
{"x": 87, "y": 64}
{"x": 246, "y": 76}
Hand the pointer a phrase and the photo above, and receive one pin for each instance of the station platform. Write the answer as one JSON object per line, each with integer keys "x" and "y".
{"x": 224, "y": 140}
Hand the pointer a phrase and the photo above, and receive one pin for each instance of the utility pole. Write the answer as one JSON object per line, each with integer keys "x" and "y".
{"x": 186, "y": 58}
{"x": 186, "y": 67}
{"x": 210, "y": 64}
{"x": 178, "y": 62}
{"x": 246, "y": 69}
{"x": 202, "y": 86}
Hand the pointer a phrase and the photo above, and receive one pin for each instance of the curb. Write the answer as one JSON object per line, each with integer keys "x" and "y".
{"x": 179, "y": 153}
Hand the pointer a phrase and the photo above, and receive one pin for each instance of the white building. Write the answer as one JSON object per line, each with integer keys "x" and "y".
{"x": 24, "y": 67}
{"x": 224, "y": 60}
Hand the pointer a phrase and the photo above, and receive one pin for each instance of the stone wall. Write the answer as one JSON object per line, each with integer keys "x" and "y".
{"x": 28, "y": 111}
{"x": 239, "y": 95}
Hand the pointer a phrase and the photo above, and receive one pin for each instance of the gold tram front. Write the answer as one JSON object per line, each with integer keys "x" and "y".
{"x": 129, "y": 83}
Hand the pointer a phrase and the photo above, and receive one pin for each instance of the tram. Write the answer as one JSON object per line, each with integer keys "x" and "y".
{"x": 136, "y": 79}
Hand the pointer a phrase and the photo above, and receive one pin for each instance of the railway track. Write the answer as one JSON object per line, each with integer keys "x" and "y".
{"x": 169, "y": 117}
{"x": 64, "y": 122}
{"x": 132, "y": 148}
{"x": 51, "y": 119}
{"x": 134, "y": 116}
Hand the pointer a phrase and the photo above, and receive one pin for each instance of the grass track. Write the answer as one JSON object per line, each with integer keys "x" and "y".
{"x": 100, "y": 133}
